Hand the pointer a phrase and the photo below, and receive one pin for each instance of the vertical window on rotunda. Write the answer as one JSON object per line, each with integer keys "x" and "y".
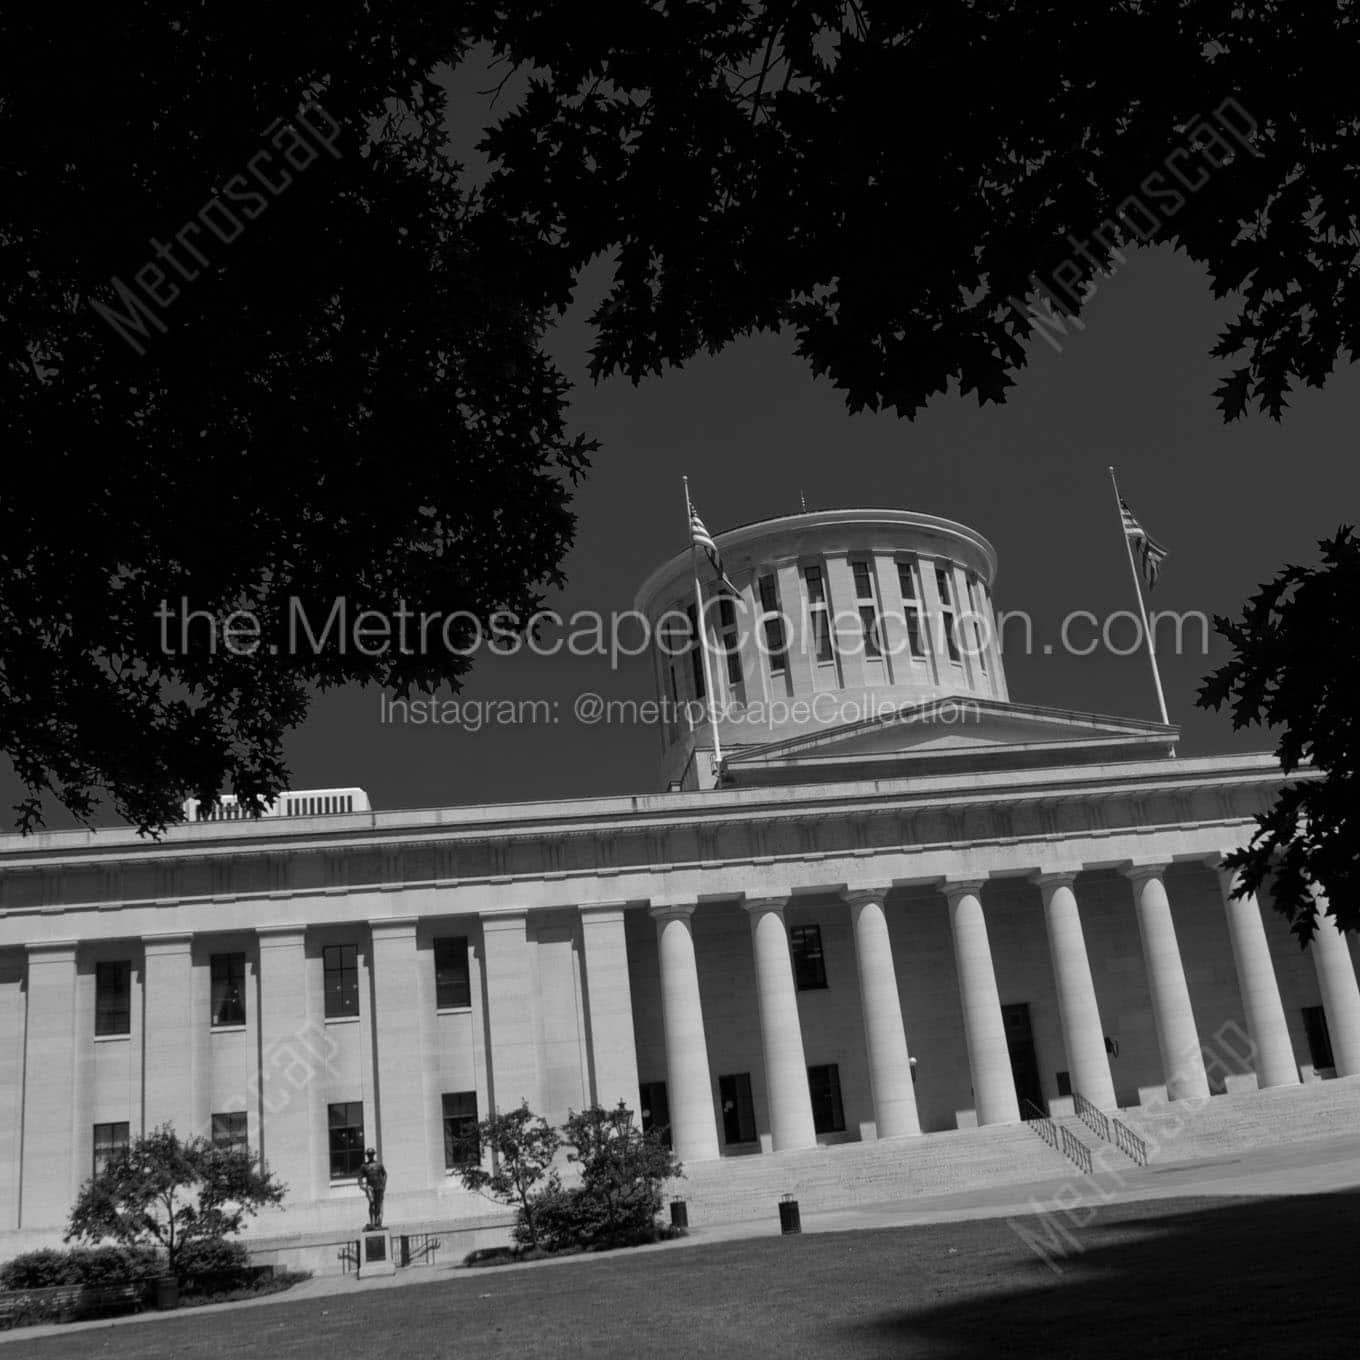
{"x": 819, "y": 614}
{"x": 947, "y": 613}
{"x": 696, "y": 656}
{"x": 911, "y": 608}
{"x": 866, "y": 599}
{"x": 977, "y": 603}
{"x": 729, "y": 639}
{"x": 776, "y": 644}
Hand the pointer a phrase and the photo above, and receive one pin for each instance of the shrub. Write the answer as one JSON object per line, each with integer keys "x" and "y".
{"x": 213, "y": 1265}
{"x": 48, "y": 1267}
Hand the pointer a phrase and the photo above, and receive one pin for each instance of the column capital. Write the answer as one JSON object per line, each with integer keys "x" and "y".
{"x": 757, "y": 904}
{"x": 665, "y": 911}
{"x": 955, "y": 888}
{"x": 857, "y": 896}
{"x": 1140, "y": 870}
{"x": 1062, "y": 876}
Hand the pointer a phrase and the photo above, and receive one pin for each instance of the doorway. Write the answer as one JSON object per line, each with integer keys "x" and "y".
{"x": 1024, "y": 1062}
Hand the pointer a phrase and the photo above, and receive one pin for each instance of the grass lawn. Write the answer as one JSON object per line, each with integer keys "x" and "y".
{"x": 1199, "y": 1278}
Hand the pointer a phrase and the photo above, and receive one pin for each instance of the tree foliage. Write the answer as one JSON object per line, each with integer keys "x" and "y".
{"x": 344, "y": 399}
{"x": 1296, "y": 658}
{"x": 169, "y": 1192}
{"x": 348, "y": 398}
{"x": 524, "y": 1146}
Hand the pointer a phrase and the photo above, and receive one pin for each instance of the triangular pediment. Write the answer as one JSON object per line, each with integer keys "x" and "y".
{"x": 952, "y": 734}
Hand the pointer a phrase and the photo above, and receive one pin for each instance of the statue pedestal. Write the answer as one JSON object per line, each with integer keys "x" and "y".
{"x": 375, "y": 1254}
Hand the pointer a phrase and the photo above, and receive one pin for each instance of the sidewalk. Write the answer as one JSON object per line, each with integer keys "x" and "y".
{"x": 1296, "y": 1169}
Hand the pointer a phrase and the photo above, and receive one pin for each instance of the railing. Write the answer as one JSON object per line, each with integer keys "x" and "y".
{"x": 417, "y": 1249}
{"x": 1075, "y": 1150}
{"x": 1040, "y": 1123}
{"x": 1095, "y": 1120}
{"x": 1130, "y": 1143}
{"x": 348, "y": 1256}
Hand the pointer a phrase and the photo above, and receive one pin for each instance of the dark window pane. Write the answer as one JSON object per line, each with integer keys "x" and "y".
{"x": 228, "y": 989}
{"x": 864, "y": 582}
{"x": 738, "y": 1109}
{"x": 346, "y": 1138}
{"x": 110, "y": 1143}
{"x": 824, "y": 1085}
{"x": 821, "y": 634}
{"x": 1319, "y": 1038}
{"x": 868, "y": 621}
{"x": 809, "y": 967}
{"x": 655, "y": 1109}
{"x": 452, "y": 981}
{"x": 462, "y": 1145}
{"x": 113, "y": 998}
{"x": 696, "y": 657}
{"x": 342, "y": 980}
{"x": 229, "y": 1131}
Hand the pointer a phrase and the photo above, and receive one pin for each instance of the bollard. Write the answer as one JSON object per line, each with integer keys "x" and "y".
{"x": 679, "y": 1214}
{"x": 789, "y": 1219}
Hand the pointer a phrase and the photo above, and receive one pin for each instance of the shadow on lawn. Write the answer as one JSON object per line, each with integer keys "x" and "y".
{"x": 1251, "y": 1278}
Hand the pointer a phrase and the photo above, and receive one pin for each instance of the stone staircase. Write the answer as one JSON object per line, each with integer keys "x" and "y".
{"x": 737, "y": 1189}
{"x": 1189, "y": 1130}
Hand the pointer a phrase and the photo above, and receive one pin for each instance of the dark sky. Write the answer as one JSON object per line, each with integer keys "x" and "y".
{"x": 752, "y": 428}
{"x": 753, "y": 431}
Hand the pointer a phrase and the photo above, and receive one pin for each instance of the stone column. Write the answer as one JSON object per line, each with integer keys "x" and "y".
{"x": 1078, "y": 1012}
{"x": 168, "y": 1085}
{"x": 403, "y": 1117}
{"x": 689, "y": 1087}
{"x": 989, "y": 1055}
{"x": 781, "y": 1033}
{"x": 1177, "y": 1037}
{"x": 294, "y": 1053}
{"x": 1273, "y": 1056}
{"x": 50, "y": 1176}
{"x": 512, "y": 1031}
{"x": 1340, "y": 996}
{"x": 885, "y": 1037}
{"x": 609, "y": 995}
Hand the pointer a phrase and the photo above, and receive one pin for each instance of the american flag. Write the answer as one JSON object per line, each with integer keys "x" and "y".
{"x": 703, "y": 539}
{"x": 1150, "y": 553}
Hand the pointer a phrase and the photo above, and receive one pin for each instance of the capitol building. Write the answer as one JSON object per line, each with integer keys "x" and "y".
{"x": 902, "y": 910}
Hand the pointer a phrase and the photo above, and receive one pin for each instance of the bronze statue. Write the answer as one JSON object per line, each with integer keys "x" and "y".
{"x": 373, "y": 1182}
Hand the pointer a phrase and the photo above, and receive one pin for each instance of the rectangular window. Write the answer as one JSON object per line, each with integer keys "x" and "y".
{"x": 345, "y": 1129}
{"x": 980, "y": 627}
{"x": 866, "y": 599}
{"x": 911, "y": 609}
{"x": 738, "y": 1109}
{"x": 824, "y": 1084}
{"x": 809, "y": 967}
{"x": 656, "y": 1109}
{"x": 776, "y": 644}
{"x": 946, "y": 590}
{"x": 228, "y": 989}
{"x": 342, "y": 980}
{"x": 462, "y": 1146}
{"x": 696, "y": 656}
{"x": 452, "y": 982}
{"x": 113, "y": 998}
{"x": 729, "y": 639}
{"x": 229, "y": 1131}
{"x": 1319, "y": 1039}
{"x": 1064, "y": 1083}
{"x": 819, "y": 615}
{"x": 110, "y": 1143}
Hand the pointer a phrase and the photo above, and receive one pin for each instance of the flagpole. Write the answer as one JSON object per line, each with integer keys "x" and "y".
{"x": 701, "y": 621}
{"x": 1142, "y": 608}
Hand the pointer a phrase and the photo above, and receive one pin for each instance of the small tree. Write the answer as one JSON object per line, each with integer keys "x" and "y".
{"x": 168, "y": 1192}
{"x": 622, "y": 1170}
{"x": 524, "y": 1145}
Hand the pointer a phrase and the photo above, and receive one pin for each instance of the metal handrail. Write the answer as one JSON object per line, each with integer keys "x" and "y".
{"x": 1130, "y": 1143}
{"x": 1075, "y": 1150}
{"x": 1095, "y": 1120}
{"x": 1040, "y": 1123}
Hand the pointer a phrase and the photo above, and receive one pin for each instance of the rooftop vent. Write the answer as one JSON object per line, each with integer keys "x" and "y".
{"x": 302, "y": 803}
